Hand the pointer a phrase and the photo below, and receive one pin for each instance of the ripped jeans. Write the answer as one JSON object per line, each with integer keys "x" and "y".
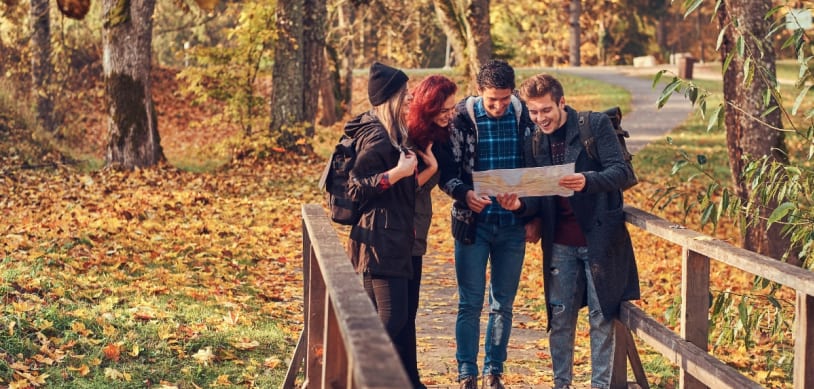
{"x": 570, "y": 281}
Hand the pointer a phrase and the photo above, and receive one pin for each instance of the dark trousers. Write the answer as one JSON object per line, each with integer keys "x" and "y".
{"x": 396, "y": 301}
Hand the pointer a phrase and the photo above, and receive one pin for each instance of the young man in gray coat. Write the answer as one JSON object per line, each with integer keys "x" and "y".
{"x": 587, "y": 253}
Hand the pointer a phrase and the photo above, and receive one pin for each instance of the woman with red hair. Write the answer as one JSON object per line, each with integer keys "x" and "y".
{"x": 428, "y": 119}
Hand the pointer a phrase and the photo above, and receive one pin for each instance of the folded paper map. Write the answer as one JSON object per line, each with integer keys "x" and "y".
{"x": 533, "y": 181}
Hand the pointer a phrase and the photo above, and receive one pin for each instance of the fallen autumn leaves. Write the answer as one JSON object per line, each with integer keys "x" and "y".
{"x": 106, "y": 271}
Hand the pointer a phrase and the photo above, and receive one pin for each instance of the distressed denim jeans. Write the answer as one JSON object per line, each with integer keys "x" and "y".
{"x": 570, "y": 281}
{"x": 503, "y": 248}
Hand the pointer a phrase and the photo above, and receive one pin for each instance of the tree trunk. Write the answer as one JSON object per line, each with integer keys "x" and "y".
{"x": 287, "y": 85}
{"x": 314, "y": 59}
{"x": 748, "y": 134}
{"x": 469, "y": 32}
{"x": 481, "y": 34}
{"x": 347, "y": 62}
{"x": 456, "y": 32}
{"x": 133, "y": 139}
{"x": 41, "y": 68}
{"x": 330, "y": 113}
{"x": 574, "y": 12}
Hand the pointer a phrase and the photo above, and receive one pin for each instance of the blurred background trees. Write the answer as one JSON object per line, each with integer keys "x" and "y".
{"x": 266, "y": 64}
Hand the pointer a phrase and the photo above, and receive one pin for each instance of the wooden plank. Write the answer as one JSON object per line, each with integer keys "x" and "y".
{"x": 635, "y": 361}
{"x": 375, "y": 362}
{"x": 784, "y": 273}
{"x": 804, "y": 342}
{"x": 296, "y": 360}
{"x": 335, "y": 370}
{"x": 620, "y": 345}
{"x": 314, "y": 322}
{"x": 699, "y": 363}
{"x": 694, "y": 308}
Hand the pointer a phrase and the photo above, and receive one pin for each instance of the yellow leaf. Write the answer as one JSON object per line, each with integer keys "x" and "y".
{"x": 19, "y": 384}
{"x": 135, "y": 351}
{"x": 82, "y": 370}
{"x": 113, "y": 373}
{"x": 246, "y": 344}
{"x": 271, "y": 362}
{"x": 43, "y": 324}
{"x": 22, "y": 306}
{"x": 80, "y": 328}
{"x": 223, "y": 379}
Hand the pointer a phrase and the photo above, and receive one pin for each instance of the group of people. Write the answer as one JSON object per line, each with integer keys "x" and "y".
{"x": 415, "y": 139}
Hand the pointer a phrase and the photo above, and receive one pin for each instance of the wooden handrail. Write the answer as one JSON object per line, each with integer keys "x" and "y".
{"x": 345, "y": 345}
{"x": 344, "y": 340}
{"x": 689, "y": 349}
{"x": 760, "y": 265}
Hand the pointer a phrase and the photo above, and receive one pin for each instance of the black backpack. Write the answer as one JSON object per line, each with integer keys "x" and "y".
{"x": 588, "y": 140}
{"x": 335, "y": 179}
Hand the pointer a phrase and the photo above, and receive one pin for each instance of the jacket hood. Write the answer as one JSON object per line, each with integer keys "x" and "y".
{"x": 360, "y": 123}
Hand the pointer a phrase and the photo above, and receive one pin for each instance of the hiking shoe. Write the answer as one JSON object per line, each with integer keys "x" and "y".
{"x": 492, "y": 381}
{"x": 469, "y": 382}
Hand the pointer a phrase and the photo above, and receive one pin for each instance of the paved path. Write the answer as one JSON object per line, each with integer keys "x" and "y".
{"x": 527, "y": 354}
{"x": 646, "y": 122}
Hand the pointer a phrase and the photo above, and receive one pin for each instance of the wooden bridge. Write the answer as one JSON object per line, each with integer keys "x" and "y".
{"x": 344, "y": 345}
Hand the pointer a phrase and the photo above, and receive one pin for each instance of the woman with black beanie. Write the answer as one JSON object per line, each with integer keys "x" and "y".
{"x": 383, "y": 181}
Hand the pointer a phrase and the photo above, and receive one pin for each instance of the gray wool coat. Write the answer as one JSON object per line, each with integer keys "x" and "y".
{"x": 598, "y": 209}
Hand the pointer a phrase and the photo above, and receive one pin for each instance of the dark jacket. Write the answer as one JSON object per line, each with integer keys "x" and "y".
{"x": 423, "y": 212}
{"x": 382, "y": 240}
{"x": 598, "y": 209}
{"x": 457, "y": 159}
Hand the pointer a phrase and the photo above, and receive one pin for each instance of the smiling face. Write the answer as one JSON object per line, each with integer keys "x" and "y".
{"x": 546, "y": 113}
{"x": 496, "y": 101}
{"x": 442, "y": 118}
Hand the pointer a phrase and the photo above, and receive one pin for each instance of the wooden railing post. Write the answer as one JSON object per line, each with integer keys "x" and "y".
{"x": 619, "y": 372}
{"x": 317, "y": 295}
{"x": 804, "y": 342}
{"x": 348, "y": 346}
{"x": 694, "y": 308}
{"x": 335, "y": 371}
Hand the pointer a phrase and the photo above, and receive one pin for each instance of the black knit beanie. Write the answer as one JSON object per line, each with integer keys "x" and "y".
{"x": 384, "y": 82}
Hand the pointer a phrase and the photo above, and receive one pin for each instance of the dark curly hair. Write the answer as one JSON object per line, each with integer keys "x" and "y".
{"x": 428, "y": 100}
{"x": 496, "y": 74}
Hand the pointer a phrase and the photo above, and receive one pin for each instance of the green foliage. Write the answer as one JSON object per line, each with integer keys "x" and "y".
{"x": 777, "y": 188}
{"x": 773, "y": 184}
{"x": 228, "y": 73}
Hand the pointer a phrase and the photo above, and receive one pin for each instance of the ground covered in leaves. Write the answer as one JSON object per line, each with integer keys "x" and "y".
{"x": 167, "y": 278}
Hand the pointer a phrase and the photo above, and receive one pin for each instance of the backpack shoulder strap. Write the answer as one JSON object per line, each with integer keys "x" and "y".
{"x": 518, "y": 109}
{"x": 586, "y": 135}
{"x": 470, "y": 109}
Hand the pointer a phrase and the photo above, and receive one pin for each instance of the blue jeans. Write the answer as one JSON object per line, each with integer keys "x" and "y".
{"x": 570, "y": 281}
{"x": 504, "y": 248}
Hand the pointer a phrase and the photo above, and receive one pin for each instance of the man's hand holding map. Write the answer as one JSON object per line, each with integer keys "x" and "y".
{"x": 533, "y": 181}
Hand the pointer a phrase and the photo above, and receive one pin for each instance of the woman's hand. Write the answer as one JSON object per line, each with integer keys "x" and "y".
{"x": 428, "y": 157}
{"x": 431, "y": 165}
{"x": 404, "y": 168}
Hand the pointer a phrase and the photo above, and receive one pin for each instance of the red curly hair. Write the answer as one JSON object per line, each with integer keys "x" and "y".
{"x": 428, "y": 101}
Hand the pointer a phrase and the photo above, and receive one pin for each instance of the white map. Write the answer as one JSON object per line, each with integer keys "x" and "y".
{"x": 532, "y": 181}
